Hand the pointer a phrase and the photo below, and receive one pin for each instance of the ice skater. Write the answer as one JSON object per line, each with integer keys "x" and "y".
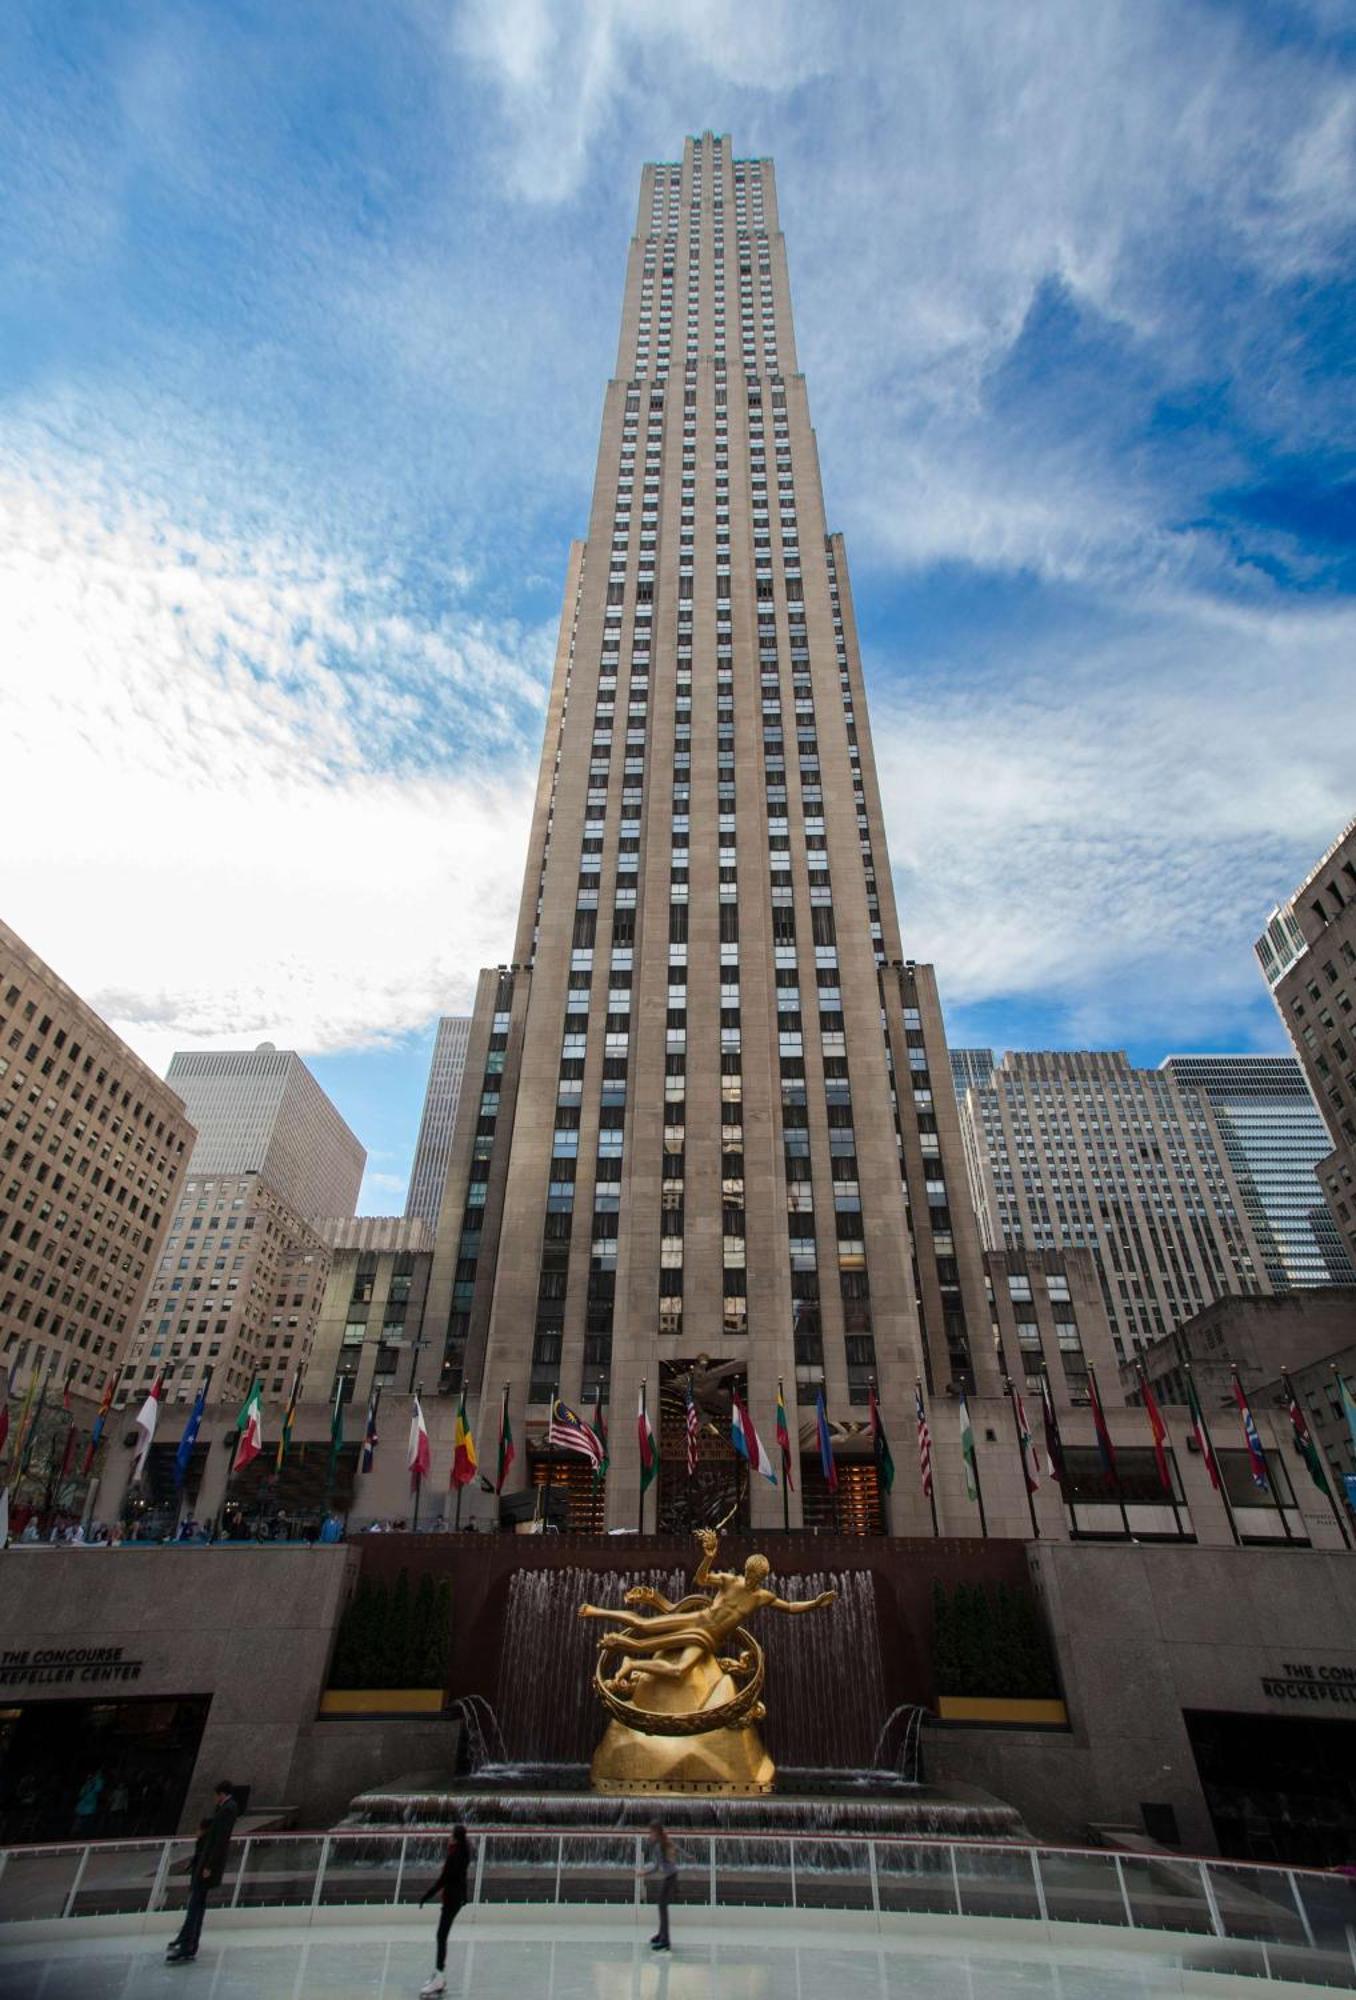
{"x": 451, "y": 1887}
{"x": 661, "y": 1868}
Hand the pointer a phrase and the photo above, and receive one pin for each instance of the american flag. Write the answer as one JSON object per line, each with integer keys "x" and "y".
{"x": 693, "y": 1428}
{"x": 924, "y": 1440}
{"x": 568, "y": 1430}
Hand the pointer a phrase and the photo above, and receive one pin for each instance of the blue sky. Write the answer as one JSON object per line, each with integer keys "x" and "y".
{"x": 305, "y": 316}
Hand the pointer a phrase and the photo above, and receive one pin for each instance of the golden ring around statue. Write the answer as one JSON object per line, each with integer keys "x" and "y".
{"x": 745, "y": 1708}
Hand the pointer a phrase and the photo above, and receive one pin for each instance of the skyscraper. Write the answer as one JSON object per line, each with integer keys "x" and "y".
{"x": 711, "y": 1112}
{"x": 1078, "y": 1149}
{"x": 1312, "y": 975}
{"x": 1275, "y": 1140}
{"x": 429, "y": 1172}
{"x": 260, "y": 1111}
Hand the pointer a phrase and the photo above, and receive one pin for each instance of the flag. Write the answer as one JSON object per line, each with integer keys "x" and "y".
{"x": 924, "y": 1441}
{"x": 21, "y": 1434}
{"x": 250, "y": 1428}
{"x": 1348, "y": 1407}
{"x": 1257, "y": 1458}
{"x": 967, "y": 1445}
{"x": 1025, "y": 1441}
{"x": 1199, "y": 1432}
{"x": 4, "y": 1516}
{"x": 826, "y": 1459}
{"x": 1054, "y": 1443}
{"x": 1308, "y": 1450}
{"x": 1100, "y": 1431}
{"x": 649, "y": 1458}
{"x": 747, "y": 1442}
{"x": 68, "y": 1453}
{"x": 600, "y": 1432}
{"x": 336, "y": 1428}
{"x": 5, "y": 1395}
{"x": 66, "y": 1387}
{"x": 465, "y": 1458}
{"x": 96, "y": 1434}
{"x": 568, "y": 1430}
{"x": 190, "y": 1436}
{"x": 1158, "y": 1429}
{"x": 370, "y": 1438}
{"x": 784, "y": 1440}
{"x": 880, "y": 1444}
{"x": 289, "y": 1419}
{"x": 507, "y": 1452}
{"x": 692, "y": 1427}
{"x": 417, "y": 1456}
{"x": 146, "y": 1422}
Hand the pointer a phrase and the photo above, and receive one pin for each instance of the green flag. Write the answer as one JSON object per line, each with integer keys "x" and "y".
{"x": 1308, "y": 1450}
{"x": 336, "y": 1427}
{"x": 967, "y": 1445}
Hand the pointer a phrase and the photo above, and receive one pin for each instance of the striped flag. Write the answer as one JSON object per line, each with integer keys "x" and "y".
{"x": 649, "y": 1459}
{"x": 288, "y": 1422}
{"x": 747, "y": 1442}
{"x": 568, "y": 1431}
{"x": 1100, "y": 1431}
{"x": 418, "y": 1456}
{"x": 1257, "y": 1458}
{"x": 693, "y": 1429}
{"x": 600, "y": 1431}
{"x": 370, "y": 1439}
{"x": 1054, "y": 1443}
{"x": 924, "y": 1441}
{"x": 1199, "y": 1431}
{"x": 784, "y": 1440}
{"x": 1308, "y": 1450}
{"x": 1026, "y": 1441}
{"x": 880, "y": 1444}
{"x": 967, "y": 1445}
{"x": 147, "y": 1418}
{"x": 507, "y": 1451}
{"x": 1157, "y": 1428}
{"x": 249, "y": 1426}
{"x": 827, "y": 1463}
{"x": 465, "y": 1458}
{"x": 96, "y": 1434}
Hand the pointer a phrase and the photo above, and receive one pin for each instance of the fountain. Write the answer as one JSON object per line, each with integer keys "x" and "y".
{"x": 827, "y": 1724}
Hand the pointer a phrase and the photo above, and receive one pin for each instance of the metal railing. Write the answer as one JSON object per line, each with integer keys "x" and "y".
{"x": 1282, "y": 1923}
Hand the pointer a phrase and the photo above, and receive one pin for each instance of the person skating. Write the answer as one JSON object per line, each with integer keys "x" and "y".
{"x": 451, "y": 1887}
{"x": 209, "y": 1865}
{"x": 661, "y": 1868}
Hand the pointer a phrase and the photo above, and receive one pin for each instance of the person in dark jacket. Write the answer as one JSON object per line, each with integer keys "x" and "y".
{"x": 451, "y": 1887}
{"x": 661, "y": 1868}
{"x": 208, "y": 1867}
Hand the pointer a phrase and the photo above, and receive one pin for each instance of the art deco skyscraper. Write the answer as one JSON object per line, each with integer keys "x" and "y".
{"x": 708, "y": 1109}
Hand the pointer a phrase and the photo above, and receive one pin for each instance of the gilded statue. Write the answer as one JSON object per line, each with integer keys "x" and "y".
{"x": 683, "y": 1682}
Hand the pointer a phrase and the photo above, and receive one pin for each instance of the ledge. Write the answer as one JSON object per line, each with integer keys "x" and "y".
{"x": 339, "y": 1702}
{"x": 1000, "y": 1711}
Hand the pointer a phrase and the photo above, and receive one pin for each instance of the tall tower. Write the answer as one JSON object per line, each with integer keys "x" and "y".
{"x": 708, "y": 1108}
{"x": 428, "y": 1176}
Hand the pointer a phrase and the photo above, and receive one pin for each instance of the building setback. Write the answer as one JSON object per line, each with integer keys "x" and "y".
{"x": 428, "y": 1177}
{"x": 370, "y": 1334}
{"x": 1077, "y": 1149}
{"x": 708, "y": 1108}
{"x": 93, "y": 1148}
{"x": 1275, "y": 1138}
{"x": 1313, "y": 982}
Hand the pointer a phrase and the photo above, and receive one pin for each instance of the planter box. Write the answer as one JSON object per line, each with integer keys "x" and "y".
{"x": 1003, "y": 1712}
{"x": 381, "y": 1701}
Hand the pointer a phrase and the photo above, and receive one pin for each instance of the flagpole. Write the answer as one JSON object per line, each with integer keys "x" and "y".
{"x": 1011, "y": 1388}
{"x": 1210, "y": 1447}
{"x": 1273, "y": 1485}
{"x": 1113, "y": 1469}
{"x": 979, "y": 1489}
{"x": 1333, "y": 1501}
{"x": 932, "y": 1476}
{"x": 786, "y": 1489}
{"x": 640, "y": 1502}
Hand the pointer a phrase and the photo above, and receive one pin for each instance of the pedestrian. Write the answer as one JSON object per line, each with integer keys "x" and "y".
{"x": 208, "y": 1867}
{"x": 87, "y": 1805}
{"x": 451, "y": 1887}
{"x": 661, "y": 1868}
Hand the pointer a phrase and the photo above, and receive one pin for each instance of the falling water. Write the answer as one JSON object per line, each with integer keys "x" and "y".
{"x": 825, "y": 1692}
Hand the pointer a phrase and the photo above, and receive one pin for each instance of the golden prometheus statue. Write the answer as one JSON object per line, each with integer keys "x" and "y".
{"x": 683, "y": 1683}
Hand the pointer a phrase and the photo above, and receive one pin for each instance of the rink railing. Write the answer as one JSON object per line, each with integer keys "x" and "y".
{"x": 1283, "y": 1923}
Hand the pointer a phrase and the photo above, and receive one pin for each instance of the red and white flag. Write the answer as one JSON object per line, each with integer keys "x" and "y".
{"x": 249, "y": 1428}
{"x": 924, "y": 1441}
{"x": 420, "y": 1458}
{"x": 146, "y": 1422}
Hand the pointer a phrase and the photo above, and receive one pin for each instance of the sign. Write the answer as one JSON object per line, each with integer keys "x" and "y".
{"x": 1310, "y": 1683}
{"x": 66, "y": 1666}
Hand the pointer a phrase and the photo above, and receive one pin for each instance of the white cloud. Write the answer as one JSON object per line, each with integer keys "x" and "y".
{"x": 246, "y": 794}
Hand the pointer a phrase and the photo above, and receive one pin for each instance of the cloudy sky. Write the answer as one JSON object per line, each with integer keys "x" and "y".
{"x": 305, "y": 315}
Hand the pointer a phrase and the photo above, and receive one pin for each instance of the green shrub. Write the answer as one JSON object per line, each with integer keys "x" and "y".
{"x": 991, "y": 1641}
{"x": 394, "y": 1638}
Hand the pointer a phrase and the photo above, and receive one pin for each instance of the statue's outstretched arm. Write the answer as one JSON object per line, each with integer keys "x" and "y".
{"x": 704, "y": 1573}
{"x": 803, "y": 1603}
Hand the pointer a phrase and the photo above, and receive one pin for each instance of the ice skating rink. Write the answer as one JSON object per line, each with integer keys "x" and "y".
{"x": 788, "y": 1957}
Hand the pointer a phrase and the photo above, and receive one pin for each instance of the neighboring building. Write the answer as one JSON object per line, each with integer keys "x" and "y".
{"x": 1314, "y": 987}
{"x": 371, "y": 1329}
{"x": 431, "y": 1154}
{"x": 970, "y": 1067}
{"x": 1275, "y": 1139}
{"x": 1048, "y": 1315}
{"x": 1077, "y": 1149}
{"x": 709, "y": 1109}
{"x": 262, "y": 1112}
{"x": 93, "y": 1149}
{"x": 239, "y": 1287}
{"x": 1309, "y": 1334}
{"x": 237, "y": 1290}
